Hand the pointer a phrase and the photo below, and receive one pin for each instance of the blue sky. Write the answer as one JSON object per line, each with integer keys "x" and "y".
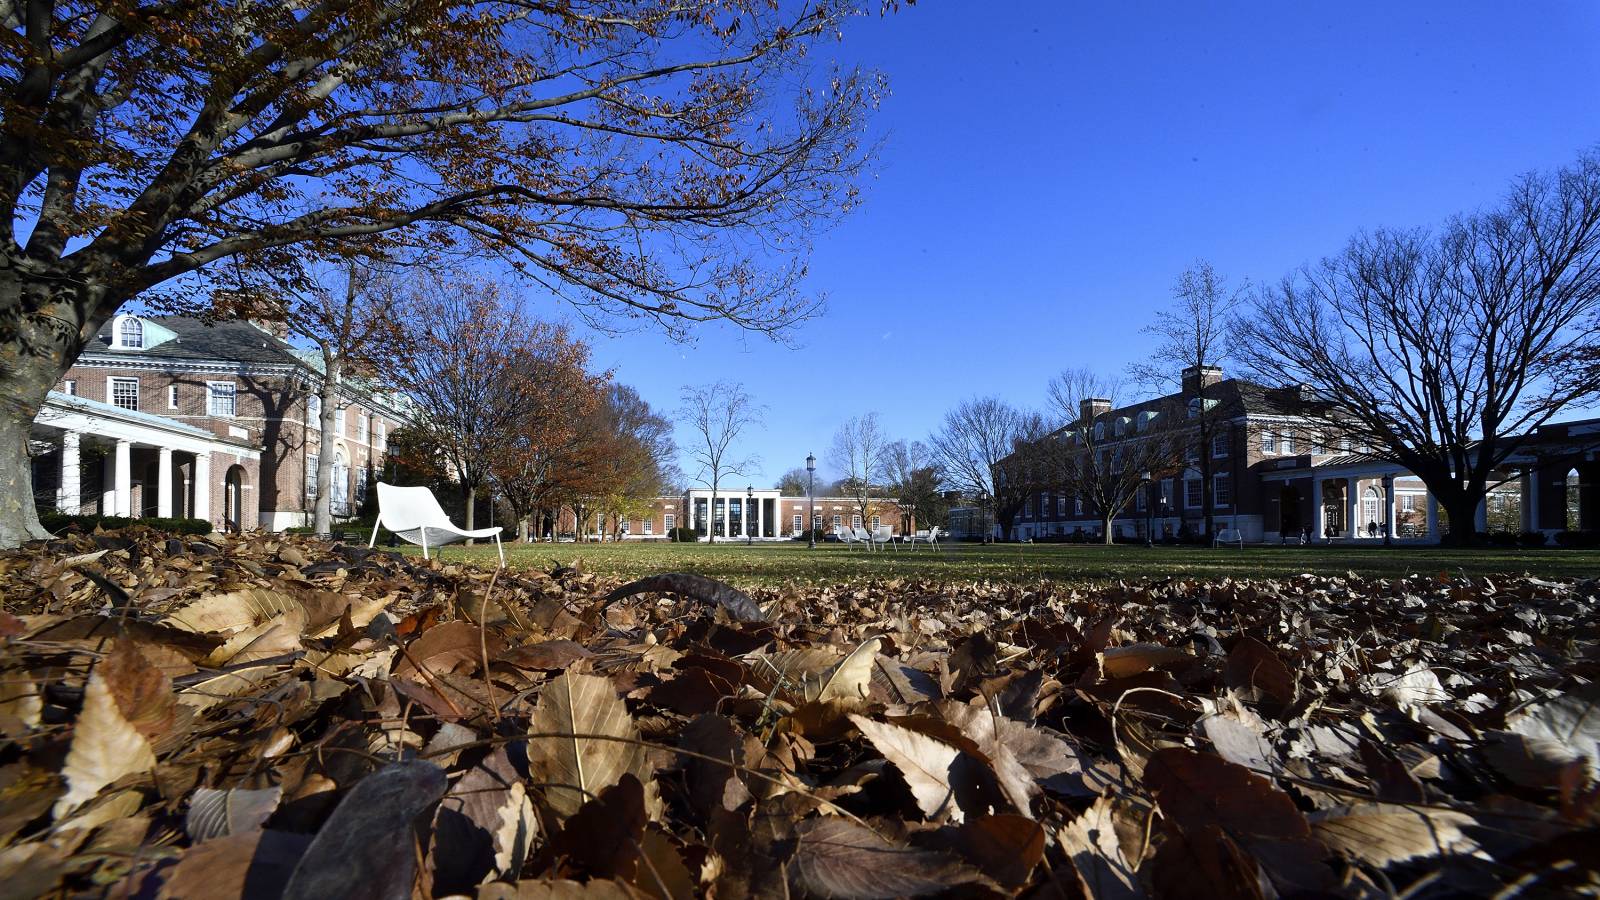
{"x": 1050, "y": 167}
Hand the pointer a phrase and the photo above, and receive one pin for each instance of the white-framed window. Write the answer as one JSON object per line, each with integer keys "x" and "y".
{"x": 816, "y": 521}
{"x": 798, "y": 519}
{"x": 1061, "y": 505}
{"x": 313, "y": 410}
{"x": 1344, "y": 445}
{"x": 1315, "y": 440}
{"x": 70, "y": 387}
{"x": 622, "y": 527}
{"x": 1269, "y": 442}
{"x": 382, "y": 429}
{"x": 1099, "y": 431}
{"x": 874, "y": 522}
{"x": 838, "y": 520}
{"x": 311, "y": 476}
{"x": 1221, "y": 443}
{"x": 649, "y": 526}
{"x": 339, "y": 425}
{"x": 363, "y": 427}
{"x": 855, "y": 521}
{"x": 1222, "y": 490}
{"x": 1141, "y": 500}
{"x": 130, "y": 333}
{"x": 1193, "y": 495}
{"x": 1166, "y": 493}
{"x": 1077, "y": 506}
{"x": 669, "y": 521}
{"x": 360, "y": 496}
{"x": 220, "y": 398}
{"x": 172, "y": 396}
{"x": 124, "y": 393}
{"x": 1286, "y": 443}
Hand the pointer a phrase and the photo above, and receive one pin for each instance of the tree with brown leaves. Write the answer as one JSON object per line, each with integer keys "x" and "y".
{"x": 617, "y": 154}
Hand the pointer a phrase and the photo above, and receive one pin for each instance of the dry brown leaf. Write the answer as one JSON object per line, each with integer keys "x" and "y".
{"x": 926, "y": 764}
{"x": 837, "y": 858}
{"x": 1384, "y": 833}
{"x": 233, "y": 611}
{"x": 574, "y": 769}
{"x": 105, "y": 747}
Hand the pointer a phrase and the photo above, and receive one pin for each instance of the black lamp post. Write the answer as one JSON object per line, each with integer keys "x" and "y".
{"x": 811, "y": 501}
{"x": 749, "y": 498}
{"x": 1149, "y": 510}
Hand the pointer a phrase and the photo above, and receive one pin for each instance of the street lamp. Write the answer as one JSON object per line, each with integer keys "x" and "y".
{"x": 811, "y": 501}
{"x": 1149, "y": 510}
{"x": 749, "y": 498}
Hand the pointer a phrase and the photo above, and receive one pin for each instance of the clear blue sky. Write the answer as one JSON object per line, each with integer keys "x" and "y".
{"x": 1050, "y": 167}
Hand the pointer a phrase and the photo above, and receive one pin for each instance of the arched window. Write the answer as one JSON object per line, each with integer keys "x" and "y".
{"x": 1122, "y": 425}
{"x": 1099, "y": 431}
{"x": 130, "y": 333}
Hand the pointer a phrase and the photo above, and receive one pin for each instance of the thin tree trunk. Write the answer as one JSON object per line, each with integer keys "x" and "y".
{"x": 711, "y": 514}
{"x": 472, "y": 511}
{"x": 1107, "y": 536}
{"x": 327, "y": 434}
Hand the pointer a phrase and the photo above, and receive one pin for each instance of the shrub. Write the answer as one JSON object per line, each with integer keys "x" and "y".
{"x": 1582, "y": 540}
{"x": 684, "y": 535}
{"x": 1531, "y": 539}
{"x": 56, "y": 522}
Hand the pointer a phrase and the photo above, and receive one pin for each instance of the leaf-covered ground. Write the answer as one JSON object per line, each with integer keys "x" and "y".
{"x": 270, "y": 717}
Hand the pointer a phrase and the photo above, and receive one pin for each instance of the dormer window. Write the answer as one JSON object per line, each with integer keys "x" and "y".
{"x": 1099, "y": 431}
{"x": 130, "y": 333}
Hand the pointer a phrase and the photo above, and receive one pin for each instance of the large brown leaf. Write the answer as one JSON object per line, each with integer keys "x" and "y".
{"x": 105, "y": 746}
{"x": 367, "y": 847}
{"x": 571, "y": 767}
{"x": 927, "y": 765}
{"x": 837, "y": 858}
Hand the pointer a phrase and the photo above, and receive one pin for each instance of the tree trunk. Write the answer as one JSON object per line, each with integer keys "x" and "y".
{"x": 711, "y": 514}
{"x": 471, "y": 491}
{"x": 1463, "y": 511}
{"x": 1106, "y": 524}
{"x": 327, "y": 430}
{"x": 39, "y": 349}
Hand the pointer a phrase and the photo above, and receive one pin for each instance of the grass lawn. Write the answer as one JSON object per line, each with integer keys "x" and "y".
{"x": 777, "y": 563}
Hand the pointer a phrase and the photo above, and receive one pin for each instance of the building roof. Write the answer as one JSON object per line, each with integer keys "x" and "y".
{"x": 194, "y": 339}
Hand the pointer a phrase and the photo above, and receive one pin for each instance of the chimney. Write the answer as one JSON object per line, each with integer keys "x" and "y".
{"x": 278, "y": 328}
{"x": 1197, "y": 377}
{"x": 1093, "y": 408}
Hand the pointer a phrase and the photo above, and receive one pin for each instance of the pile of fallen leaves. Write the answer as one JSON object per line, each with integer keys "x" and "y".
{"x": 266, "y": 717}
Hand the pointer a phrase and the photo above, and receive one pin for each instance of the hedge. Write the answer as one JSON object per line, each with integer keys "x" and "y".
{"x": 55, "y": 522}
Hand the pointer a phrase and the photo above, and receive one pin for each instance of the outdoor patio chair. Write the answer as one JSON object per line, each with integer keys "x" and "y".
{"x": 1229, "y": 536}
{"x": 862, "y": 535}
{"x": 414, "y": 514}
{"x": 928, "y": 536}
{"x": 845, "y": 535}
{"x": 882, "y": 535}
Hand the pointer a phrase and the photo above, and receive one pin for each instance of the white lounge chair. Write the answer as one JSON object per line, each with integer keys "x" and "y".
{"x": 1229, "y": 536}
{"x": 862, "y": 535}
{"x": 929, "y": 536}
{"x": 845, "y": 535}
{"x": 882, "y": 535}
{"x": 414, "y": 514}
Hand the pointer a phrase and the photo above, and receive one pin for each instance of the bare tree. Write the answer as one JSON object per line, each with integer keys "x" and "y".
{"x": 1442, "y": 349}
{"x": 717, "y": 414}
{"x": 471, "y": 363}
{"x": 982, "y": 446}
{"x": 860, "y": 452}
{"x": 1192, "y": 340}
{"x": 792, "y": 483}
{"x": 914, "y": 476}
{"x": 349, "y": 317}
{"x": 619, "y": 154}
{"x": 1105, "y": 458}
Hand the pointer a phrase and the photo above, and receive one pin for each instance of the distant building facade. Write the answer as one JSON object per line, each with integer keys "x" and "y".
{"x": 174, "y": 416}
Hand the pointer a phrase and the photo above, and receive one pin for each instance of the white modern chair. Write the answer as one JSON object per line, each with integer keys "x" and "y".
{"x": 862, "y": 535}
{"x": 882, "y": 535}
{"x": 844, "y": 534}
{"x": 929, "y": 537}
{"x": 414, "y": 514}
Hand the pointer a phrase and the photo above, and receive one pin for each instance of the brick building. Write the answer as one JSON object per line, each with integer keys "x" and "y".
{"x": 174, "y": 416}
{"x": 762, "y": 515}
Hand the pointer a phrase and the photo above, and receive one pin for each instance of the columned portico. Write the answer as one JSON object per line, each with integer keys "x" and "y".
{"x": 140, "y": 460}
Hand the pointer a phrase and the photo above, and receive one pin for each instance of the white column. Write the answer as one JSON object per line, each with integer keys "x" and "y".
{"x": 1352, "y": 497}
{"x": 108, "y": 485}
{"x": 761, "y": 517}
{"x": 1480, "y": 517}
{"x": 202, "y": 486}
{"x": 1388, "y": 505}
{"x": 124, "y": 478}
{"x": 1530, "y": 499}
{"x": 1319, "y": 527}
{"x": 164, "y": 483}
{"x": 69, "y": 494}
{"x": 727, "y": 517}
{"x": 1433, "y": 518}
